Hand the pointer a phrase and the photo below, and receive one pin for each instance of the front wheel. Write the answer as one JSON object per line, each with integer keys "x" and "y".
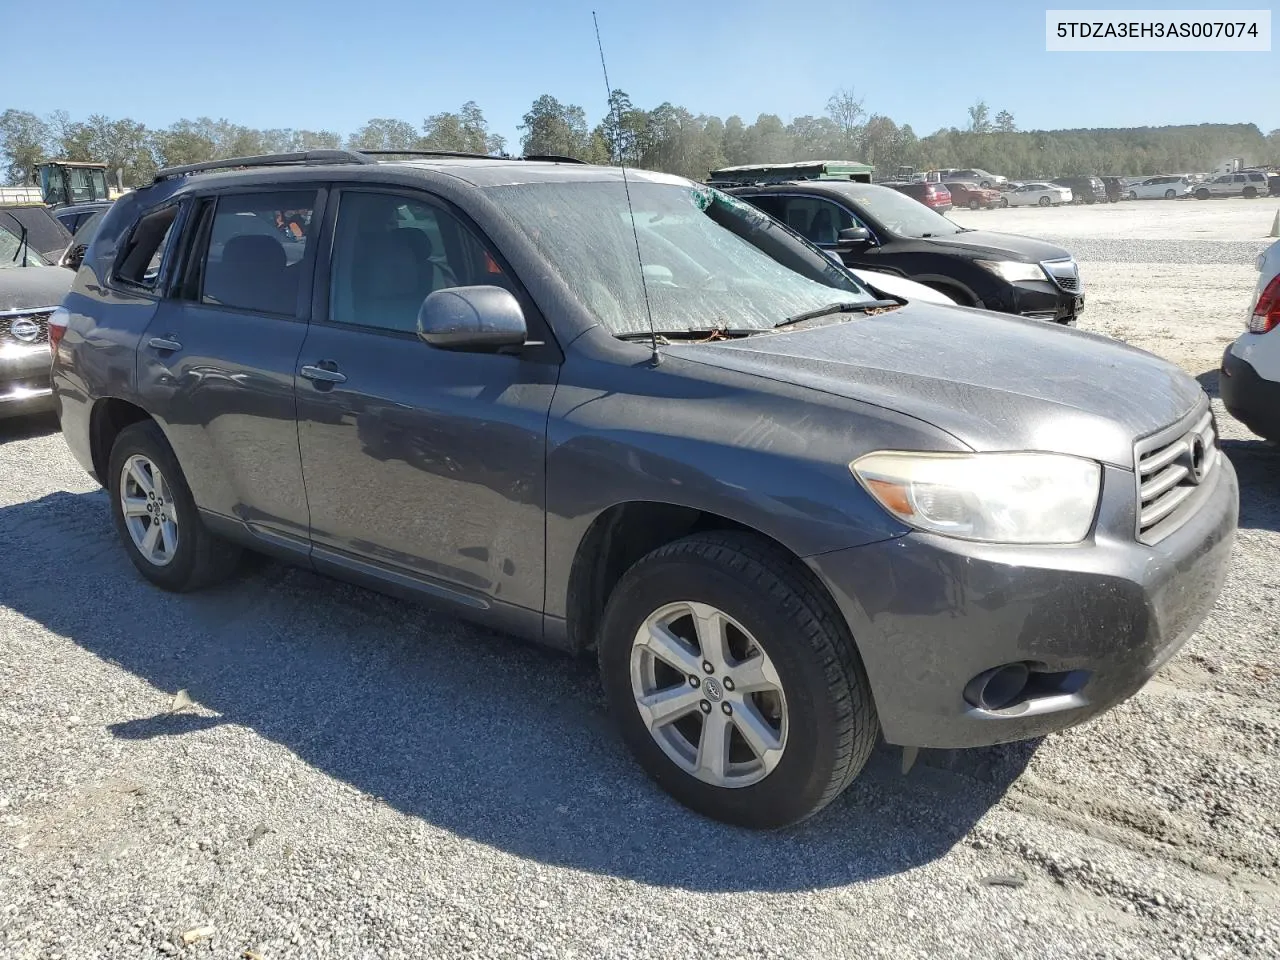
{"x": 734, "y": 680}
{"x": 1250, "y": 193}
{"x": 1170, "y": 194}
{"x": 1133, "y": 195}
{"x": 156, "y": 516}
{"x": 1004, "y": 202}
{"x": 1202, "y": 194}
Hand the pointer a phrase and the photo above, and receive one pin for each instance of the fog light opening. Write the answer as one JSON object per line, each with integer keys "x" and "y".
{"x": 998, "y": 688}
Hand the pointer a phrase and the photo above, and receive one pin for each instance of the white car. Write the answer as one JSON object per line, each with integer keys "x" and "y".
{"x": 1160, "y": 188}
{"x": 1036, "y": 194}
{"x": 891, "y": 285}
{"x": 1246, "y": 183}
{"x": 1249, "y": 380}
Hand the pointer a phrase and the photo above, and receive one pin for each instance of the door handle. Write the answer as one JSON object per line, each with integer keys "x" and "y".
{"x": 322, "y": 375}
{"x": 162, "y": 343}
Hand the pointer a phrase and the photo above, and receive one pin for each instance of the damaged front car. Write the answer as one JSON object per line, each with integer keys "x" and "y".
{"x": 30, "y": 291}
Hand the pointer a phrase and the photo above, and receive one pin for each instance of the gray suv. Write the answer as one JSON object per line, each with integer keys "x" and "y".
{"x": 643, "y": 418}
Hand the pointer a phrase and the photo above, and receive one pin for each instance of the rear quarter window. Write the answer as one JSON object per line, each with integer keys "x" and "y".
{"x": 142, "y": 256}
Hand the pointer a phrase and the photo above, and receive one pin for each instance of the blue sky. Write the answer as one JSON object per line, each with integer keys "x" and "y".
{"x": 322, "y": 64}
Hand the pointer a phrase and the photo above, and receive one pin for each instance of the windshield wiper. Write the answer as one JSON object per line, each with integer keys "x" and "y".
{"x": 23, "y": 243}
{"x": 862, "y": 306}
{"x": 668, "y": 335}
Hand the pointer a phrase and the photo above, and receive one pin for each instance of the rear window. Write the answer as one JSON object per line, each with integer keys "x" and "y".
{"x": 44, "y": 232}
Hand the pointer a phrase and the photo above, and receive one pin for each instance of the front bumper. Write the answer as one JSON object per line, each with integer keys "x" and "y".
{"x": 1040, "y": 300}
{"x": 25, "y": 387}
{"x": 1249, "y": 398}
{"x": 1095, "y": 620}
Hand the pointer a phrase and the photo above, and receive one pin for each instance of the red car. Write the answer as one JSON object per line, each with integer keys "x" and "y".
{"x": 973, "y": 196}
{"x": 933, "y": 195}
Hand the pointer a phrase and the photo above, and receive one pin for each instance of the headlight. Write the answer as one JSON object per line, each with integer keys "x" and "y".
{"x": 994, "y": 497}
{"x": 1013, "y": 271}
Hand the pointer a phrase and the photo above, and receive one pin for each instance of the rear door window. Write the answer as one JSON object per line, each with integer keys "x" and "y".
{"x": 254, "y": 255}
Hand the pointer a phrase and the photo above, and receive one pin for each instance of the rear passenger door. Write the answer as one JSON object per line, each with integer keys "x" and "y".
{"x": 421, "y": 463}
{"x": 216, "y": 365}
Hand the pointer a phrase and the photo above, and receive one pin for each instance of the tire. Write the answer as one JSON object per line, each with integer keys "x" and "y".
{"x": 197, "y": 558}
{"x": 985, "y": 184}
{"x": 1045, "y": 201}
{"x": 1170, "y": 194}
{"x": 974, "y": 204}
{"x": 1133, "y": 194}
{"x": 1250, "y": 193}
{"x": 1202, "y": 194}
{"x": 1004, "y": 202}
{"x": 830, "y": 723}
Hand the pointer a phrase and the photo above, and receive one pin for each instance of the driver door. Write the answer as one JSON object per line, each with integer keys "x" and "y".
{"x": 422, "y": 466}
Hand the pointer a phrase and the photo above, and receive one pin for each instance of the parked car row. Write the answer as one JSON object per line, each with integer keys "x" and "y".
{"x": 789, "y": 514}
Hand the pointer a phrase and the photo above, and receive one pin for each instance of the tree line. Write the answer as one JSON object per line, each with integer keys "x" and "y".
{"x": 667, "y": 138}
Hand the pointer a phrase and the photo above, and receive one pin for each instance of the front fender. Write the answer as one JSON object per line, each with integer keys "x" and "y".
{"x": 770, "y": 456}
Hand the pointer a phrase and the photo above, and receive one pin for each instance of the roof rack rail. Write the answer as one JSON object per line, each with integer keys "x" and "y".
{"x": 304, "y": 158}
{"x": 551, "y": 158}
{"x": 462, "y": 154}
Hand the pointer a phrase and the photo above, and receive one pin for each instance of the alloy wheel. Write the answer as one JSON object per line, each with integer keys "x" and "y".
{"x": 150, "y": 514}
{"x": 708, "y": 694}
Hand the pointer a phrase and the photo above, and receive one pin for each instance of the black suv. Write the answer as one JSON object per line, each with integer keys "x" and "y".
{"x": 876, "y": 228}
{"x": 639, "y": 417}
{"x": 1084, "y": 189}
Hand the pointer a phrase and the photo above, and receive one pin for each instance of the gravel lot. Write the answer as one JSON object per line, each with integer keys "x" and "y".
{"x": 361, "y": 778}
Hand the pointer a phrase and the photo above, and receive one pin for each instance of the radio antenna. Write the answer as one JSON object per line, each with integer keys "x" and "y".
{"x": 626, "y": 186}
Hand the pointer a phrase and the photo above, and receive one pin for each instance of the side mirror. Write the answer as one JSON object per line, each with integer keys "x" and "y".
{"x": 851, "y": 238}
{"x": 477, "y": 319}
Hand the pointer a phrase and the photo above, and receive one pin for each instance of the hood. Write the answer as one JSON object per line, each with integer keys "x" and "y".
{"x": 993, "y": 381}
{"x": 1007, "y": 246}
{"x": 24, "y": 287}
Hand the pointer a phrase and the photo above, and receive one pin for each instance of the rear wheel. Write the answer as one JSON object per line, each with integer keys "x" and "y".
{"x": 1045, "y": 201}
{"x": 1170, "y": 194}
{"x": 1250, "y": 193}
{"x": 734, "y": 680}
{"x": 156, "y": 517}
{"x": 974, "y": 204}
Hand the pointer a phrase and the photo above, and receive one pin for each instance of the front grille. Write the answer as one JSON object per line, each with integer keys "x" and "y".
{"x": 1175, "y": 467}
{"x": 25, "y": 326}
{"x": 1065, "y": 273}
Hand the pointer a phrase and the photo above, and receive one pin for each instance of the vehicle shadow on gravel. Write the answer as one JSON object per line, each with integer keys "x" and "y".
{"x": 1257, "y": 466}
{"x": 24, "y": 428}
{"x": 483, "y": 736}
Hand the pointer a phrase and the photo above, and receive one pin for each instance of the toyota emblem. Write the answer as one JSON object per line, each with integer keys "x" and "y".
{"x": 1198, "y": 457}
{"x": 26, "y": 330}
